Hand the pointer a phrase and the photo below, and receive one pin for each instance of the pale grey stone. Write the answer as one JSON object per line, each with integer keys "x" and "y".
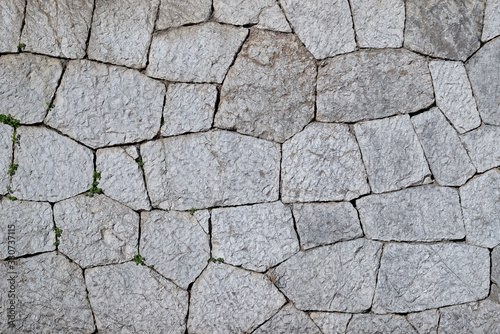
{"x": 454, "y": 94}
{"x": 339, "y": 278}
{"x": 289, "y": 320}
{"x": 373, "y": 323}
{"x": 427, "y": 213}
{"x": 176, "y": 244}
{"x": 188, "y": 108}
{"x": 481, "y": 208}
{"x": 216, "y": 168}
{"x": 200, "y": 53}
{"x": 96, "y": 230}
{"x": 203, "y": 217}
{"x": 325, "y": 223}
{"x": 121, "y": 31}
{"x": 11, "y": 16}
{"x": 444, "y": 28}
{"x": 482, "y": 145}
{"x": 50, "y": 296}
{"x": 331, "y": 323}
{"x": 127, "y": 298}
{"x": 272, "y": 18}
{"x": 269, "y": 92}
{"x": 324, "y": 26}
{"x": 174, "y": 13}
{"x": 392, "y": 153}
{"x": 122, "y": 178}
{"x": 29, "y": 225}
{"x": 448, "y": 160}
{"x": 255, "y": 237}
{"x": 102, "y": 105}
{"x": 417, "y": 277}
{"x": 51, "y": 167}
{"x": 491, "y": 26}
{"x": 239, "y": 12}
{"x": 473, "y": 318}
{"x": 132, "y": 151}
{"x": 425, "y": 322}
{"x": 495, "y": 265}
{"x": 371, "y": 84}
{"x": 5, "y": 155}
{"x": 379, "y": 24}
{"x": 28, "y": 83}
{"x": 322, "y": 163}
{"x": 226, "y": 299}
{"x": 495, "y": 293}
{"x": 58, "y": 28}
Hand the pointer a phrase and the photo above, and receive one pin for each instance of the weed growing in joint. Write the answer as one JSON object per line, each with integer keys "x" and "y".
{"x": 49, "y": 106}
{"x": 95, "y": 190}
{"x": 214, "y": 260}
{"x": 139, "y": 162}
{"x": 12, "y": 169}
{"x": 9, "y": 120}
{"x": 12, "y": 198}
{"x": 58, "y": 233}
{"x": 20, "y": 47}
{"x": 139, "y": 260}
{"x": 192, "y": 211}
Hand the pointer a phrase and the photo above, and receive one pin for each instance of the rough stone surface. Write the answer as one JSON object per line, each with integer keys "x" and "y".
{"x": 392, "y": 154}
{"x": 248, "y": 301}
{"x": 448, "y": 160}
{"x": 122, "y": 178}
{"x": 481, "y": 208}
{"x": 482, "y": 145}
{"x": 58, "y": 28}
{"x": 121, "y": 31}
{"x": 102, "y": 105}
{"x": 127, "y": 298}
{"x": 331, "y": 323}
{"x": 454, "y": 94}
{"x": 28, "y": 82}
{"x": 314, "y": 20}
{"x": 426, "y": 213}
{"x": 289, "y": 320}
{"x": 5, "y": 155}
{"x": 272, "y": 18}
{"x": 471, "y": 318}
{"x": 379, "y": 24}
{"x": 239, "y": 12}
{"x": 416, "y": 277}
{"x": 30, "y": 224}
{"x": 11, "y": 16}
{"x": 188, "y": 108}
{"x": 269, "y": 92}
{"x": 325, "y": 223}
{"x": 173, "y": 13}
{"x": 96, "y": 230}
{"x": 340, "y": 277}
{"x": 425, "y": 322}
{"x": 322, "y": 163}
{"x": 51, "y": 167}
{"x": 216, "y": 168}
{"x": 200, "y": 53}
{"x": 372, "y": 323}
{"x": 50, "y": 296}
{"x": 495, "y": 265}
{"x": 373, "y": 84}
{"x": 255, "y": 237}
{"x": 491, "y": 26}
{"x": 459, "y": 25}
{"x": 176, "y": 244}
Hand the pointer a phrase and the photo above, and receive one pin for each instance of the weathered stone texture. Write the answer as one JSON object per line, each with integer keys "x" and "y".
{"x": 127, "y": 298}
{"x": 373, "y": 84}
{"x": 331, "y": 323}
{"x": 322, "y": 163}
{"x": 102, "y": 105}
{"x": 225, "y": 299}
{"x": 372, "y": 323}
{"x": 5, "y": 155}
{"x": 200, "y": 53}
{"x": 289, "y": 320}
{"x": 58, "y": 27}
{"x": 239, "y": 12}
{"x": 121, "y": 31}
{"x": 216, "y": 168}
{"x": 483, "y": 147}
{"x": 176, "y": 244}
{"x": 11, "y": 16}
{"x": 425, "y": 322}
{"x": 416, "y": 277}
{"x": 474, "y": 318}
{"x": 491, "y": 26}
{"x": 269, "y": 92}
{"x": 495, "y": 265}
{"x": 173, "y": 13}
{"x": 272, "y": 18}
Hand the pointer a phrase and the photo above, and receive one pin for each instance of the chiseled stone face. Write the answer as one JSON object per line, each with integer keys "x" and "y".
{"x": 240, "y": 12}
{"x": 11, "y": 15}
{"x": 491, "y": 26}
{"x": 482, "y": 145}
{"x": 331, "y": 323}
{"x": 173, "y": 13}
{"x": 495, "y": 265}
{"x": 289, "y": 320}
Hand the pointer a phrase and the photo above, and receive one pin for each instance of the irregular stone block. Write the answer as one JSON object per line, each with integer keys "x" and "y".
{"x": 425, "y": 322}
{"x": 255, "y": 237}
{"x": 480, "y": 317}
{"x": 272, "y": 18}
{"x": 102, "y": 105}
{"x": 454, "y": 94}
{"x": 289, "y": 320}
{"x": 322, "y": 163}
{"x": 482, "y": 145}
{"x": 269, "y": 92}
{"x": 249, "y": 300}
{"x": 313, "y": 20}
{"x": 373, "y": 84}
{"x": 96, "y": 230}
{"x": 51, "y": 167}
{"x": 426, "y": 213}
{"x": 11, "y": 16}
{"x": 495, "y": 265}
{"x": 448, "y": 160}
{"x": 339, "y": 278}
{"x": 326, "y": 223}
{"x": 58, "y": 28}
{"x": 240, "y": 12}
{"x": 372, "y": 323}
{"x": 131, "y": 298}
{"x": 331, "y": 323}
{"x": 200, "y": 53}
{"x": 491, "y": 27}
{"x": 481, "y": 208}
{"x": 176, "y": 244}
{"x": 5, "y": 155}
{"x": 392, "y": 153}
{"x": 416, "y": 277}
{"x": 216, "y": 168}
{"x": 173, "y": 13}
{"x": 188, "y": 108}
{"x": 121, "y": 31}
{"x": 459, "y": 25}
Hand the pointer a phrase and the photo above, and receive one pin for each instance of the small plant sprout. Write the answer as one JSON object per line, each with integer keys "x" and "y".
{"x": 139, "y": 162}
{"x": 95, "y": 190}
{"x": 214, "y": 260}
{"x": 9, "y": 120}
{"x": 12, "y": 169}
{"x": 139, "y": 260}
{"x": 58, "y": 233}
{"x": 49, "y": 106}
{"x": 21, "y": 46}
{"x": 151, "y": 266}
{"x": 12, "y": 198}
{"x": 192, "y": 211}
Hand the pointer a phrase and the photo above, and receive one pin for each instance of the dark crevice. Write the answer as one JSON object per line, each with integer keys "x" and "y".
{"x": 295, "y": 228}
{"x": 151, "y": 36}
{"x": 88, "y": 299}
{"x": 23, "y": 22}
{"x": 90, "y": 30}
